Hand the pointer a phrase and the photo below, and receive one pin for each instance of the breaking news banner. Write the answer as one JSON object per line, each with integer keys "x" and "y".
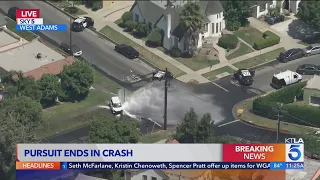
{"x": 160, "y": 156}
{"x": 29, "y": 20}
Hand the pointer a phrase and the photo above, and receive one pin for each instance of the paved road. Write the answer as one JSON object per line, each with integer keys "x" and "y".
{"x": 95, "y": 49}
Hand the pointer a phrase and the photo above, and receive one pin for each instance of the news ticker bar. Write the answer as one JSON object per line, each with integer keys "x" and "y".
{"x": 42, "y": 27}
{"x": 158, "y": 165}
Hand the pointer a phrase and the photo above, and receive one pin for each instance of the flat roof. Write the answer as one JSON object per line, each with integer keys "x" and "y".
{"x": 26, "y": 57}
{"x": 6, "y": 39}
{"x": 314, "y": 83}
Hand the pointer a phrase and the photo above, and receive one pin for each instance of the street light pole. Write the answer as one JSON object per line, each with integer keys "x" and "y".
{"x": 165, "y": 99}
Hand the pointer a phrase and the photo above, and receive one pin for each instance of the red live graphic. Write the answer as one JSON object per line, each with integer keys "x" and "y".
{"x": 28, "y": 13}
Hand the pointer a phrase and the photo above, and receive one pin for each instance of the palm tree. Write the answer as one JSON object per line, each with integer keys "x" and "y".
{"x": 192, "y": 21}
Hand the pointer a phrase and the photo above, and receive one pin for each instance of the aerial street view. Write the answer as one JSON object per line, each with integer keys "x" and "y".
{"x": 199, "y": 82}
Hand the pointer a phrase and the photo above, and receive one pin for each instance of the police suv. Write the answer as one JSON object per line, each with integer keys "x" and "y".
{"x": 81, "y": 23}
{"x": 244, "y": 76}
{"x": 285, "y": 78}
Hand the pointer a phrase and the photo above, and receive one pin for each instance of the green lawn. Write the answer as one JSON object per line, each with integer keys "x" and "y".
{"x": 27, "y": 35}
{"x": 146, "y": 54}
{"x": 268, "y": 123}
{"x": 78, "y": 13}
{"x": 243, "y": 49}
{"x": 260, "y": 59}
{"x": 249, "y": 34}
{"x": 197, "y": 62}
{"x": 61, "y": 4}
{"x": 119, "y": 21}
{"x": 212, "y": 75}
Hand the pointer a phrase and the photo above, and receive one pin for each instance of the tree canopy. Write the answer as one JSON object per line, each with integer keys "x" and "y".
{"x": 236, "y": 14}
{"x": 49, "y": 86}
{"x": 192, "y": 20}
{"x": 308, "y": 12}
{"x": 25, "y": 107}
{"x": 76, "y": 80}
{"x": 109, "y": 129}
{"x": 12, "y": 133}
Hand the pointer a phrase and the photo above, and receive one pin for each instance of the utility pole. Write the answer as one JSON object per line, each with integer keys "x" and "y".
{"x": 280, "y": 111}
{"x": 165, "y": 98}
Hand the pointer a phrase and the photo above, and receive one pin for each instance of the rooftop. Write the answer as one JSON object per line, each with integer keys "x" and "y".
{"x": 313, "y": 83}
{"x": 28, "y": 57}
{"x": 6, "y": 39}
{"x": 52, "y": 68}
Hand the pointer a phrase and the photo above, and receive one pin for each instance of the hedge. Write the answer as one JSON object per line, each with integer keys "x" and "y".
{"x": 154, "y": 38}
{"x": 270, "y": 39}
{"x": 228, "y": 41}
{"x": 264, "y": 105}
{"x": 300, "y": 112}
{"x": 175, "y": 51}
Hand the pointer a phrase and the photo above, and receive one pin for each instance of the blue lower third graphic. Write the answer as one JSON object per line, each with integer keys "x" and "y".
{"x": 42, "y": 27}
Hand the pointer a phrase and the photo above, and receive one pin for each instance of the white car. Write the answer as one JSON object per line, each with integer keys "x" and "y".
{"x": 115, "y": 105}
{"x": 285, "y": 78}
{"x": 158, "y": 75}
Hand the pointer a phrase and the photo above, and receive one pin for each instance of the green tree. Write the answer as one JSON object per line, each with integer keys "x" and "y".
{"x": 236, "y": 14}
{"x": 15, "y": 133}
{"x": 28, "y": 87}
{"x": 186, "y": 132}
{"x": 311, "y": 143}
{"x": 127, "y": 16}
{"x": 50, "y": 89}
{"x": 192, "y": 21}
{"x": 308, "y": 12}
{"x": 205, "y": 129}
{"x": 76, "y": 80}
{"x": 25, "y": 107}
{"x": 154, "y": 38}
{"x": 112, "y": 130}
{"x": 130, "y": 25}
{"x": 142, "y": 29}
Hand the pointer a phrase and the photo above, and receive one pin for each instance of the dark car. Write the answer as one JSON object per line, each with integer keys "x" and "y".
{"x": 90, "y": 21}
{"x": 244, "y": 76}
{"x": 74, "y": 50}
{"x": 291, "y": 54}
{"x": 309, "y": 69}
{"x": 127, "y": 51}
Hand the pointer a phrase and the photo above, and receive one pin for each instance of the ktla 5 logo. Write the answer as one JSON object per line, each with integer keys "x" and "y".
{"x": 294, "y": 152}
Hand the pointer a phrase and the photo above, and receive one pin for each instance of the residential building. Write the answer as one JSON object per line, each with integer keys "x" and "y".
{"x": 3, "y": 22}
{"x": 165, "y": 15}
{"x": 311, "y": 94}
{"x": 260, "y": 8}
{"x": 32, "y": 59}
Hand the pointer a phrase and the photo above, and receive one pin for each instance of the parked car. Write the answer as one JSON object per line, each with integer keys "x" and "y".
{"x": 75, "y": 50}
{"x": 127, "y": 51}
{"x": 312, "y": 49}
{"x": 309, "y": 69}
{"x": 291, "y": 54}
{"x": 81, "y": 23}
{"x": 158, "y": 75}
{"x": 285, "y": 78}
{"x": 244, "y": 76}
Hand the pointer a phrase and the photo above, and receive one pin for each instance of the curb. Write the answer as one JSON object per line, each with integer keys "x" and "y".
{"x": 254, "y": 125}
{"x": 100, "y": 34}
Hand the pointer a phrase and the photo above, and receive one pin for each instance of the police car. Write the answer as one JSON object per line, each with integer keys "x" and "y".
{"x": 285, "y": 78}
{"x": 244, "y": 76}
{"x": 81, "y": 23}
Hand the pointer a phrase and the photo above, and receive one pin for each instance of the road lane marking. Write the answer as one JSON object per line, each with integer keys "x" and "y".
{"x": 234, "y": 83}
{"x": 219, "y": 86}
{"x": 229, "y": 123}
